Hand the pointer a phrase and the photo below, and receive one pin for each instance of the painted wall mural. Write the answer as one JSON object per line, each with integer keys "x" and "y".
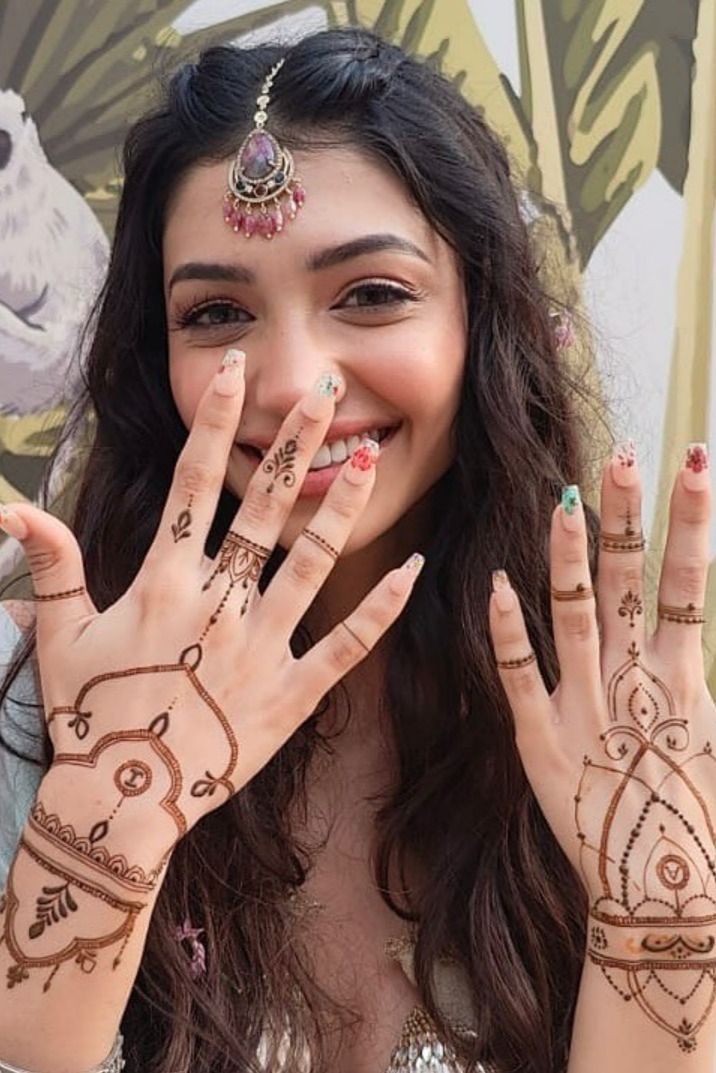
{"x": 604, "y": 104}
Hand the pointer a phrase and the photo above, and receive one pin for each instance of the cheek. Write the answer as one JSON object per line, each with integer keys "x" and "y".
{"x": 188, "y": 383}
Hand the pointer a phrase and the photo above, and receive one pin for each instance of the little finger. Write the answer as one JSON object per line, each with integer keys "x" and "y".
{"x": 355, "y": 637}
{"x": 573, "y": 604}
{"x": 682, "y": 586}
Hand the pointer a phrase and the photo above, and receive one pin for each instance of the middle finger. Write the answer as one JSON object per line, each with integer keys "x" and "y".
{"x": 273, "y": 489}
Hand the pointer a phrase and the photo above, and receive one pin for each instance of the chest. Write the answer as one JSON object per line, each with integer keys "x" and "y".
{"x": 344, "y": 925}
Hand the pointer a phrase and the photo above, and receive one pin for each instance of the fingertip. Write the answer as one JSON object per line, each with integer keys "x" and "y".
{"x": 12, "y": 523}
{"x": 504, "y": 597}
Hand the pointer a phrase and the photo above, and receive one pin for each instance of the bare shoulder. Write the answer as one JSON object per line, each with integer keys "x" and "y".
{"x": 22, "y": 612}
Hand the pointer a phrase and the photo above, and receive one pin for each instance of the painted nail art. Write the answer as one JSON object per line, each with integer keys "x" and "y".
{"x": 365, "y": 456}
{"x": 624, "y": 467}
{"x": 402, "y": 582}
{"x": 695, "y": 473}
{"x": 697, "y": 457}
{"x": 228, "y": 378}
{"x": 328, "y": 384}
{"x": 571, "y": 498}
{"x": 415, "y": 563}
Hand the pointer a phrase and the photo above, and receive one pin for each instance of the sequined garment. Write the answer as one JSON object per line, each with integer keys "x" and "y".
{"x": 420, "y": 1049}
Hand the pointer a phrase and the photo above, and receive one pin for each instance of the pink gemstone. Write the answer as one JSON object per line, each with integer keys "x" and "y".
{"x": 278, "y": 218}
{"x": 265, "y": 225}
{"x": 258, "y": 158}
{"x": 291, "y": 208}
{"x": 299, "y": 195}
{"x": 249, "y": 225}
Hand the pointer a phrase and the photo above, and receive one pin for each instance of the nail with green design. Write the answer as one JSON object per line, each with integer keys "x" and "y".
{"x": 571, "y": 508}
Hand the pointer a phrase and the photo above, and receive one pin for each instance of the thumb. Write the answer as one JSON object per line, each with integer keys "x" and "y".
{"x": 55, "y": 561}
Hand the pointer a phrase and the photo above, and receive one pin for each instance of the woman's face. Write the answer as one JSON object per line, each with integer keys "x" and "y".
{"x": 358, "y": 283}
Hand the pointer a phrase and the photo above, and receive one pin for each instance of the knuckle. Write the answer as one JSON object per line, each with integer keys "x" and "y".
{"x": 578, "y": 625}
{"x": 194, "y": 477}
{"x": 522, "y": 681}
{"x": 303, "y": 567}
{"x": 690, "y": 577}
{"x": 43, "y": 561}
{"x": 343, "y": 506}
{"x": 630, "y": 577}
{"x": 345, "y": 652}
{"x": 259, "y": 506}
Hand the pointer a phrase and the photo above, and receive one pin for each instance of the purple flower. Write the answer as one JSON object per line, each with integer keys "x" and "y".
{"x": 197, "y": 966}
{"x": 563, "y": 327}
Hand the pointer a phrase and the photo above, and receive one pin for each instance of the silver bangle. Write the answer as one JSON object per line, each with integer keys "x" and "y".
{"x": 113, "y": 1063}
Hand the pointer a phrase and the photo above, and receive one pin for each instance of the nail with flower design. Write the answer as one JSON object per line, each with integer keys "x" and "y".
{"x": 696, "y": 467}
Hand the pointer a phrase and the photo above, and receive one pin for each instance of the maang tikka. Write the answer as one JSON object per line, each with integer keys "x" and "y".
{"x": 263, "y": 187}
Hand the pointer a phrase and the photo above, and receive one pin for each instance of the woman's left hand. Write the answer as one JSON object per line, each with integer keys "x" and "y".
{"x": 621, "y": 755}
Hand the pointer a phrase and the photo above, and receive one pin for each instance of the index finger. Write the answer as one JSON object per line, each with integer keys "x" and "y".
{"x": 201, "y": 467}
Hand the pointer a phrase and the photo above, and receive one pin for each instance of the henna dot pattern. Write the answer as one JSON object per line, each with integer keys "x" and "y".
{"x": 650, "y": 863}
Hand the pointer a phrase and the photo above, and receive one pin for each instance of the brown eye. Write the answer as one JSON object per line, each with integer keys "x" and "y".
{"x": 376, "y": 294}
{"x": 213, "y": 315}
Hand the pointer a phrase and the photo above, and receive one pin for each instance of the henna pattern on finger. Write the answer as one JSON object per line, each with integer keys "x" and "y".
{"x": 690, "y": 615}
{"x": 579, "y": 592}
{"x": 281, "y": 465}
{"x": 181, "y": 528}
{"x": 630, "y": 605}
{"x": 650, "y": 863}
{"x": 68, "y": 594}
{"x": 321, "y": 542}
{"x": 242, "y": 560}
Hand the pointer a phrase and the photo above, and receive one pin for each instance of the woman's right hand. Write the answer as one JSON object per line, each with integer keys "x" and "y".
{"x": 169, "y": 701}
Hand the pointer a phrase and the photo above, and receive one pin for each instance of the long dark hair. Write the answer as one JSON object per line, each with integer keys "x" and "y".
{"x": 499, "y": 894}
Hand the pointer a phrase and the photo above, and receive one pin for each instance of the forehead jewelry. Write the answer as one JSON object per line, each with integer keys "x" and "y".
{"x": 263, "y": 186}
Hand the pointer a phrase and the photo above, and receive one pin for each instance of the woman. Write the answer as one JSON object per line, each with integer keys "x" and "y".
{"x": 419, "y": 868}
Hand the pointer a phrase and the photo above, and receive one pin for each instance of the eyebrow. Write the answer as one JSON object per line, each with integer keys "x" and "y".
{"x": 328, "y": 258}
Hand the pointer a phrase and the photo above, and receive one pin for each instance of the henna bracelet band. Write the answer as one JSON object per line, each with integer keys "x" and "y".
{"x": 113, "y": 1063}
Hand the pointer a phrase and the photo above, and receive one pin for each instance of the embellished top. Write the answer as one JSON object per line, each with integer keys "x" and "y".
{"x": 419, "y": 1048}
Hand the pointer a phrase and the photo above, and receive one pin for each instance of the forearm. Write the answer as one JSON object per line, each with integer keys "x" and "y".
{"x": 72, "y": 932}
{"x": 624, "y": 1035}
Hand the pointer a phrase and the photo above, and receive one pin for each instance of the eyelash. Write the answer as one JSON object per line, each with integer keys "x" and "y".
{"x": 188, "y": 317}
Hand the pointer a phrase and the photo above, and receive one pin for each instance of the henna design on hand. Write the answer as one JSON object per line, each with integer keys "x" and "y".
{"x": 181, "y": 528}
{"x": 280, "y": 466}
{"x": 243, "y": 561}
{"x": 68, "y": 594}
{"x": 631, "y": 605}
{"x": 70, "y": 865}
{"x": 650, "y": 863}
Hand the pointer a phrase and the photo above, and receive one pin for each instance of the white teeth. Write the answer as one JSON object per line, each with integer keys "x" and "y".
{"x": 353, "y": 444}
{"x": 339, "y": 451}
{"x": 322, "y": 458}
{"x": 375, "y": 434}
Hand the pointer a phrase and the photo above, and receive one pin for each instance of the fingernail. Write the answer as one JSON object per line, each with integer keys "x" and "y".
{"x": 696, "y": 467}
{"x": 362, "y": 461}
{"x": 323, "y": 396}
{"x": 505, "y": 599}
{"x": 571, "y": 508}
{"x": 404, "y": 580}
{"x": 625, "y": 471}
{"x": 231, "y": 372}
{"x": 12, "y": 523}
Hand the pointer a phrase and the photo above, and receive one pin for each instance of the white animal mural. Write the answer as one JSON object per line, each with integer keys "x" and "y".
{"x": 53, "y": 257}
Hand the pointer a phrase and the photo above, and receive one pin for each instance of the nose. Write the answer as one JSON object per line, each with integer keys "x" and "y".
{"x": 5, "y": 148}
{"x": 283, "y": 367}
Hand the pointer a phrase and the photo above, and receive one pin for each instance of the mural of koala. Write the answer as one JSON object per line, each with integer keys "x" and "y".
{"x": 53, "y": 257}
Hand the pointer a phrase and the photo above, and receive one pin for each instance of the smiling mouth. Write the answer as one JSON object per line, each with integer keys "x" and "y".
{"x": 335, "y": 453}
